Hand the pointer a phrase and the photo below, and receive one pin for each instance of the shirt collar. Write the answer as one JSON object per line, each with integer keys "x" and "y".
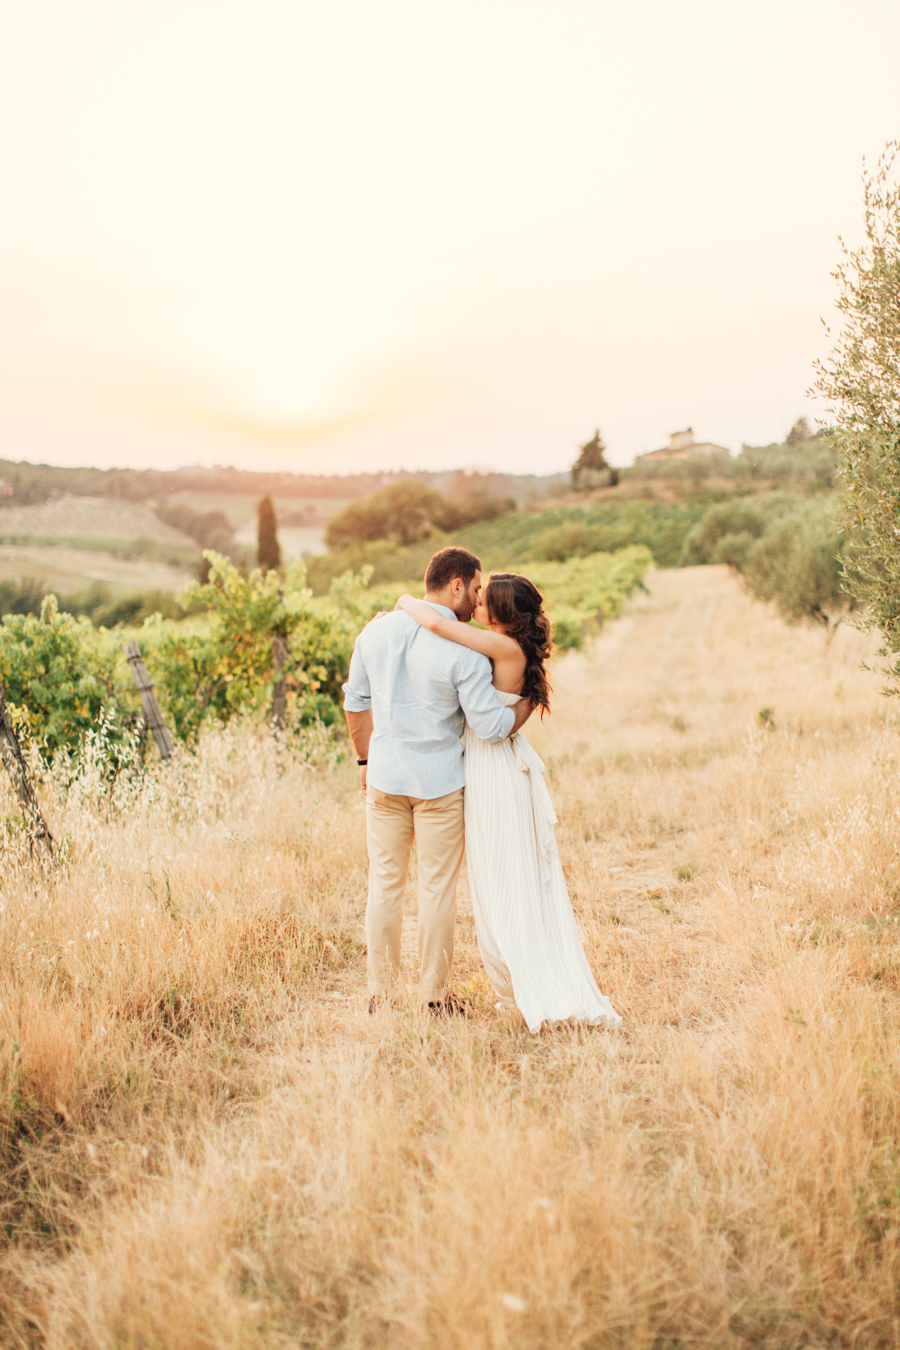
{"x": 442, "y": 609}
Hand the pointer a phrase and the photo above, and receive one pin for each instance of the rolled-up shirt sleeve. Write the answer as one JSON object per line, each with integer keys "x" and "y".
{"x": 484, "y": 712}
{"x": 357, "y": 692}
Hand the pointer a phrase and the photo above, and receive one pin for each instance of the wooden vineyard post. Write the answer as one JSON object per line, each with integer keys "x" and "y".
{"x": 149, "y": 702}
{"x": 279, "y": 697}
{"x": 14, "y": 762}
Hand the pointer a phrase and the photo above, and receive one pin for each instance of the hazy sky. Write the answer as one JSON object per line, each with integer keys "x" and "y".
{"x": 348, "y": 235}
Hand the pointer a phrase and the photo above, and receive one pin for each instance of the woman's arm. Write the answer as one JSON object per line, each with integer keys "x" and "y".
{"x": 490, "y": 644}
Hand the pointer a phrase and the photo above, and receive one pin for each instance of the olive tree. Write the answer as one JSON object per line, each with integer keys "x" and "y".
{"x": 861, "y": 380}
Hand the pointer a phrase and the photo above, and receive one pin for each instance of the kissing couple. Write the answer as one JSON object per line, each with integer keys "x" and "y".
{"x": 435, "y": 710}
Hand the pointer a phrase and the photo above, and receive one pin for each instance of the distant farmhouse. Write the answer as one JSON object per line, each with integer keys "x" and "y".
{"x": 681, "y": 444}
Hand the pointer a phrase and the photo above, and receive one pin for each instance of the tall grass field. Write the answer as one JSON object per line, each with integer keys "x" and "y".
{"x": 207, "y": 1142}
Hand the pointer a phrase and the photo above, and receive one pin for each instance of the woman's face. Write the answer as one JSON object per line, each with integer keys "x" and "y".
{"x": 480, "y": 612}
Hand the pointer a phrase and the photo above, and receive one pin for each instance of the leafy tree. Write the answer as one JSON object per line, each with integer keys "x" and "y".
{"x": 407, "y": 512}
{"x": 469, "y": 501}
{"x": 403, "y": 513}
{"x": 211, "y": 529}
{"x": 787, "y": 549}
{"x": 862, "y": 380}
{"x": 797, "y": 564}
{"x": 591, "y": 469}
{"x": 268, "y": 554}
{"x": 225, "y": 662}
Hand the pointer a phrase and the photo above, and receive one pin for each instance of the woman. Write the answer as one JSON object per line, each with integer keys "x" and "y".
{"x": 526, "y": 929}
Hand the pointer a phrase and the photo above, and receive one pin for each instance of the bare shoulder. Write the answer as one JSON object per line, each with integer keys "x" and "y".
{"x": 488, "y": 646}
{"x": 508, "y": 647}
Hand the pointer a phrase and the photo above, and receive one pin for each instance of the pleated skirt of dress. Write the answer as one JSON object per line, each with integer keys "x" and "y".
{"x": 527, "y": 934}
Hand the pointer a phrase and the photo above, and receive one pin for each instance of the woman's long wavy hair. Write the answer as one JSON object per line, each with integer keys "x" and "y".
{"x": 517, "y": 604}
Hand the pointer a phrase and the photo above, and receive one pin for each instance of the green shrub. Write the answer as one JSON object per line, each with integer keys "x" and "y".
{"x": 787, "y": 548}
{"x": 569, "y": 626}
{"x": 572, "y": 540}
{"x": 571, "y": 531}
{"x": 517, "y": 539}
{"x": 388, "y": 563}
{"x": 596, "y": 586}
{"x": 23, "y": 596}
{"x": 211, "y": 529}
{"x": 729, "y": 519}
{"x": 802, "y": 464}
{"x": 224, "y": 662}
{"x": 59, "y": 675}
{"x": 63, "y": 676}
{"x": 804, "y": 467}
{"x": 577, "y": 593}
{"x": 104, "y": 607}
{"x": 797, "y": 564}
{"x": 733, "y": 549}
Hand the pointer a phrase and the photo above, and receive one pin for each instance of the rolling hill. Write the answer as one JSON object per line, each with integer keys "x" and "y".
{"x": 71, "y": 517}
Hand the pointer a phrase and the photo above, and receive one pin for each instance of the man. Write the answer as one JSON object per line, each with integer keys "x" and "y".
{"x": 405, "y": 700}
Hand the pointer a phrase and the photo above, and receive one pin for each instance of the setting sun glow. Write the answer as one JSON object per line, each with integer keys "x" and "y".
{"x": 350, "y": 236}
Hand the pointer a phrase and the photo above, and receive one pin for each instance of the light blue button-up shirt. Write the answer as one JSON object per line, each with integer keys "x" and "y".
{"x": 419, "y": 687}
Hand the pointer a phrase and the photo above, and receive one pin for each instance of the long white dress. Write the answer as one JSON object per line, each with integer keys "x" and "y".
{"x": 523, "y": 915}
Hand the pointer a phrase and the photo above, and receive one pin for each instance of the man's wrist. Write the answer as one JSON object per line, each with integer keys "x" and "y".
{"x": 360, "y": 762}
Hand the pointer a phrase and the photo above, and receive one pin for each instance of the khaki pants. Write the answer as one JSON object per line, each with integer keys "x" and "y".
{"x": 437, "y": 826}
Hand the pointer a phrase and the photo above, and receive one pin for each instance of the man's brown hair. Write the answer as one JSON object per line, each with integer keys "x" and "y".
{"x": 447, "y": 565}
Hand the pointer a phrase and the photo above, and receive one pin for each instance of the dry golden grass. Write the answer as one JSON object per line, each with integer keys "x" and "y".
{"x": 206, "y": 1142}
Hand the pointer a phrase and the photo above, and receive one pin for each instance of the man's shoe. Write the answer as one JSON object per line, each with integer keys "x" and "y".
{"x": 451, "y": 1006}
{"x": 375, "y": 1002}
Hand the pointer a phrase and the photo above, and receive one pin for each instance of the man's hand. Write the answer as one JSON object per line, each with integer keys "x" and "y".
{"x": 362, "y": 779}
{"x": 521, "y": 713}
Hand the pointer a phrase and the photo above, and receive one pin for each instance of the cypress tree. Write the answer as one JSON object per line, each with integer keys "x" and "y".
{"x": 591, "y": 470}
{"x": 268, "y": 553}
